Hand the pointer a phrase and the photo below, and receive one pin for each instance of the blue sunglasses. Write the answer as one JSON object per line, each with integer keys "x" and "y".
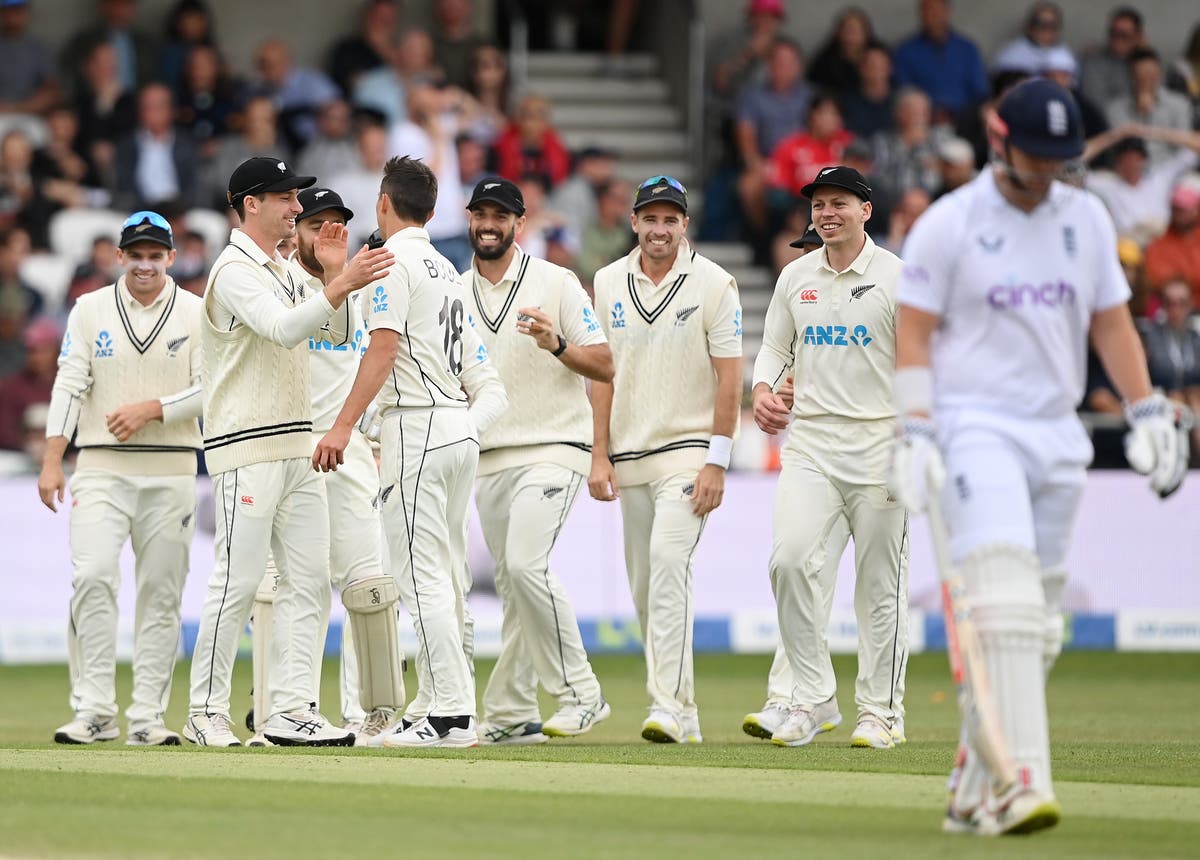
{"x": 146, "y": 216}
{"x": 670, "y": 180}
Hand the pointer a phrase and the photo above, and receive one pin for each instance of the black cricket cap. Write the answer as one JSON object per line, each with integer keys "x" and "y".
{"x": 840, "y": 176}
{"x": 317, "y": 199}
{"x": 149, "y": 227}
{"x": 261, "y": 175}
{"x": 810, "y": 237}
{"x": 661, "y": 189}
{"x": 503, "y": 192}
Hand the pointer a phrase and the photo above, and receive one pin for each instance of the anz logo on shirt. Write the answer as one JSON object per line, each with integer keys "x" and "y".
{"x": 354, "y": 347}
{"x": 836, "y": 335}
{"x": 589, "y": 320}
{"x": 379, "y": 301}
{"x": 481, "y": 354}
{"x": 737, "y": 323}
{"x": 104, "y": 345}
{"x": 66, "y": 346}
{"x": 618, "y": 316}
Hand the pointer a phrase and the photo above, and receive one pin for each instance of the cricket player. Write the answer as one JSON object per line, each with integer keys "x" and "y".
{"x": 832, "y": 323}
{"x": 542, "y": 335}
{"x": 258, "y": 316}
{"x": 663, "y": 431}
{"x": 128, "y": 389}
{"x": 1004, "y": 281}
{"x": 440, "y": 394}
{"x": 355, "y": 531}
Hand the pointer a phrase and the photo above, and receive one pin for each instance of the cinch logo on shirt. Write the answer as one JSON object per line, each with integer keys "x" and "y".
{"x": 737, "y": 322}
{"x": 618, "y": 316}
{"x": 1014, "y": 296}
{"x": 379, "y": 301}
{"x": 836, "y": 335}
{"x": 589, "y": 320}
{"x": 104, "y": 345}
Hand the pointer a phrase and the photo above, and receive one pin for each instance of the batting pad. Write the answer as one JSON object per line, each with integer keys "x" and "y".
{"x": 1004, "y": 587}
{"x": 1054, "y": 580}
{"x": 371, "y": 606}
{"x": 261, "y": 624}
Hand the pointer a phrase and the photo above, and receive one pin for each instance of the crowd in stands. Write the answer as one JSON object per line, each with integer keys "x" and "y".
{"x": 119, "y": 118}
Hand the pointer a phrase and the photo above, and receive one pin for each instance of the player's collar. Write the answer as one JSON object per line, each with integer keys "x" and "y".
{"x": 238, "y": 238}
{"x": 510, "y": 274}
{"x": 1055, "y": 198}
{"x": 860, "y": 263}
{"x": 408, "y": 233}
{"x": 682, "y": 265}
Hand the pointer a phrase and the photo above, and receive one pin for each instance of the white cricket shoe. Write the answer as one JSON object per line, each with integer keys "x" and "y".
{"x": 1020, "y": 810}
{"x": 872, "y": 733}
{"x": 805, "y": 722}
{"x": 259, "y": 740}
{"x": 86, "y": 729}
{"x": 214, "y": 730}
{"x": 662, "y": 727}
{"x": 898, "y": 736}
{"x": 395, "y": 727}
{"x": 518, "y": 735}
{"x": 153, "y": 736}
{"x": 427, "y": 733}
{"x": 690, "y": 726}
{"x": 965, "y": 820}
{"x": 763, "y": 724}
{"x": 376, "y": 721}
{"x": 306, "y": 727}
{"x": 571, "y": 720}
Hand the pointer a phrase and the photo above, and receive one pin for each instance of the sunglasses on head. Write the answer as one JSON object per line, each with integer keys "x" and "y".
{"x": 670, "y": 180}
{"x": 147, "y": 217}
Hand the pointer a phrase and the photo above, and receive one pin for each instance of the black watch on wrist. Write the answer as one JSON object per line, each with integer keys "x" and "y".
{"x": 562, "y": 347}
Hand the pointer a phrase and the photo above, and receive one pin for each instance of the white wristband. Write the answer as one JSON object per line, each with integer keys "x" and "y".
{"x": 719, "y": 449}
{"x": 913, "y": 391}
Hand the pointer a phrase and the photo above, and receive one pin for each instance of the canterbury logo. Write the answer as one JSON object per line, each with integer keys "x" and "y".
{"x": 808, "y": 296}
{"x": 682, "y": 316}
{"x": 857, "y": 292}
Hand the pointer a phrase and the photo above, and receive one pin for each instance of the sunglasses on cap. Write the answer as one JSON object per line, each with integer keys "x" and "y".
{"x": 144, "y": 217}
{"x": 670, "y": 180}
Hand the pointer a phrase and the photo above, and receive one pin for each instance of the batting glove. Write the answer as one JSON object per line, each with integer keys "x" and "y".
{"x": 371, "y": 424}
{"x": 1157, "y": 442}
{"x": 917, "y": 468}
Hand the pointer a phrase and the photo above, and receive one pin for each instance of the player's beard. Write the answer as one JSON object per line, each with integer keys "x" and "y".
{"x": 493, "y": 252}
{"x": 308, "y": 256}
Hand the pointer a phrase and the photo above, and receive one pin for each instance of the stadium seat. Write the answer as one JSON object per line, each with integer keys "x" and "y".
{"x": 72, "y": 231}
{"x": 33, "y": 126}
{"x": 214, "y": 226}
{"x": 50, "y": 275}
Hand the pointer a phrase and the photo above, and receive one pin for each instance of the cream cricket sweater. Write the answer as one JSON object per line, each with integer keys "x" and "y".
{"x": 549, "y": 418}
{"x": 118, "y": 351}
{"x": 663, "y": 338}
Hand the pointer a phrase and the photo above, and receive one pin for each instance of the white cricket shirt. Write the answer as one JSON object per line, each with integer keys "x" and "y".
{"x": 837, "y": 330}
{"x": 1016, "y": 292}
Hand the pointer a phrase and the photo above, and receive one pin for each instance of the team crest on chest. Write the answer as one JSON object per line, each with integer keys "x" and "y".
{"x": 173, "y": 345}
{"x": 859, "y": 292}
{"x": 684, "y": 314}
{"x": 1069, "y": 244}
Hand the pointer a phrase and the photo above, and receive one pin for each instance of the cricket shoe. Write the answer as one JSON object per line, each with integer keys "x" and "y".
{"x": 306, "y": 727}
{"x": 376, "y": 721}
{"x": 153, "y": 736}
{"x": 517, "y": 735}
{"x": 662, "y": 727}
{"x": 1021, "y": 810}
{"x": 446, "y": 732}
{"x": 395, "y": 727}
{"x": 872, "y": 733}
{"x": 898, "y": 736}
{"x": 259, "y": 740}
{"x": 571, "y": 720}
{"x": 690, "y": 726}
{"x": 965, "y": 820}
{"x": 85, "y": 730}
{"x": 763, "y": 724}
{"x": 213, "y": 730}
{"x": 805, "y": 722}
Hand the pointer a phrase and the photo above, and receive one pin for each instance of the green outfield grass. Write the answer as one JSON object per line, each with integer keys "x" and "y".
{"x": 1126, "y": 762}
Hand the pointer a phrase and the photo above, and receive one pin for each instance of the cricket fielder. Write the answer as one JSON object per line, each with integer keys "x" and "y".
{"x": 1004, "y": 282}
{"x": 434, "y": 365}
{"x": 663, "y": 431}
{"x": 831, "y": 321}
{"x": 369, "y": 700}
{"x": 542, "y": 335}
{"x": 258, "y": 316}
{"x": 128, "y": 389}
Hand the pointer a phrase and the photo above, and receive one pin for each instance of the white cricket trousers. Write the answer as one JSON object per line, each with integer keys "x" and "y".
{"x": 661, "y": 536}
{"x": 277, "y": 507}
{"x": 428, "y": 466}
{"x": 522, "y": 511}
{"x": 832, "y": 486}
{"x": 158, "y": 515}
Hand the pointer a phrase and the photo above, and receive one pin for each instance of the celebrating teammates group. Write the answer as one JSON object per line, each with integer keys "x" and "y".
{"x": 507, "y": 381}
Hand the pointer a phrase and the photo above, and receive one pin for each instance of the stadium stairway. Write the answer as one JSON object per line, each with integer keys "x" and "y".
{"x": 634, "y": 114}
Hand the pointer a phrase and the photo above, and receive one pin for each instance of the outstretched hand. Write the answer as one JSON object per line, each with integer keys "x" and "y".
{"x": 330, "y": 246}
